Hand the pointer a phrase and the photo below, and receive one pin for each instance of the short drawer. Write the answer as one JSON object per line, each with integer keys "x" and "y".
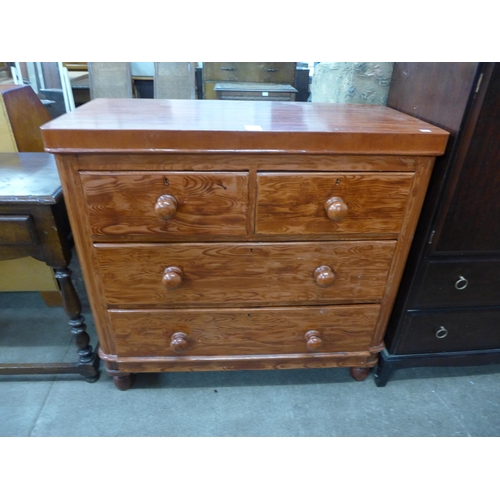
{"x": 460, "y": 284}
{"x": 257, "y": 274}
{"x": 175, "y": 204}
{"x": 282, "y": 72}
{"x": 328, "y": 203}
{"x": 450, "y": 330}
{"x": 17, "y": 230}
{"x": 218, "y": 332}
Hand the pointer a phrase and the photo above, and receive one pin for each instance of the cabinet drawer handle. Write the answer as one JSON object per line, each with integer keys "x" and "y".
{"x": 179, "y": 341}
{"x": 461, "y": 283}
{"x": 224, "y": 68}
{"x": 271, "y": 70}
{"x": 172, "y": 277}
{"x": 166, "y": 206}
{"x": 336, "y": 209}
{"x": 441, "y": 332}
{"x": 313, "y": 340}
{"x": 324, "y": 276}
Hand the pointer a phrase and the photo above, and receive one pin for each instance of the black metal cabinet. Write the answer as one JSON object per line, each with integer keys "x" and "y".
{"x": 447, "y": 312}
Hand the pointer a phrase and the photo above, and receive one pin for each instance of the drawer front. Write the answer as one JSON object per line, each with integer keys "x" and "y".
{"x": 328, "y": 203}
{"x": 283, "y": 72}
{"x": 235, "y": 95}
{"x": 17, "y": 230}
{"x": 167, "y": 203}
{"x": 451, "y": 330}
{"x": 244, "y": 274}
{"x": 460, "y": 284}
{"x": 208, "y": 332}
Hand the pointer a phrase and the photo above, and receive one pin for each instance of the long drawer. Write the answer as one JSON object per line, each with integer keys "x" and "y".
{"x": 221, "y": 332}
{"x": 329, "y": 203}
{"x": 462, "y": 283}
{"x": 451, "y": 330}
{"x": 166, "y": 203}
{"x": 167, "y": 275}
{"x": 283, "y": 72}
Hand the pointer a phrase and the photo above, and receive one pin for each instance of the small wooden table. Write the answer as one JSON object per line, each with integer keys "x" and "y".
{"x": 34, "y": 222}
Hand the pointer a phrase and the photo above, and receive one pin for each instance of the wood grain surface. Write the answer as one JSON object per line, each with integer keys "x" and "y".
{"x": 208, "y": 202}
{"x": 295, "y": 203}
{"x": 146, "y": 364}
{"x": 157, "y": 125}
{"x": 243, "y": 331}
{"x": 206, "y": 245}
{"x": 251, "y": 274}
{"x": 234, "y": 162}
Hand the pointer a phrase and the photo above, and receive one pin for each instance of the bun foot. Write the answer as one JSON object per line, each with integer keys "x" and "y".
{"x": 123, "y": 382}
{"x": 358, "y": 373}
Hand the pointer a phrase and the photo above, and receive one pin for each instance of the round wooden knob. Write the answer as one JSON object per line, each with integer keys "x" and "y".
{"x": 336, "y": 209}
{"x": 179, "y": 341}
{"x": 166, "y": 206}
{"x": 324, "y": 276}
{"x": 313, "y": 340}
{"x": 172, "y": 277}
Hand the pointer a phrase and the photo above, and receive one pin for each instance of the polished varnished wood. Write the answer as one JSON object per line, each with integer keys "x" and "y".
{"x": 295, "y": 203}
{"x": 336, "y": 208}
{"x": 154, "y": 126}
{"x": 358, "y": 373}
{"x": 136, "y": 204}
{"x": 248, "y": 331}
{"x": 166, "y": 206}
{"x": 130, "y": 365}
{"x": 257, "y": 275}
{"x": 237, "y": 162}
{"x": 34, "y": 223}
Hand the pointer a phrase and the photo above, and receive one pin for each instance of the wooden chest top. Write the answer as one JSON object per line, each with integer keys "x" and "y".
{"x": 159, "y": 126}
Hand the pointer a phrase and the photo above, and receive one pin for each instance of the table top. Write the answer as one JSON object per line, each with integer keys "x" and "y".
{"x": 161, "y": 125}
{"x": 29, "y": 178}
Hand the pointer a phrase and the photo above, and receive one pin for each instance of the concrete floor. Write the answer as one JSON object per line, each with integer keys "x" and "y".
{"x": 326, "y": 402}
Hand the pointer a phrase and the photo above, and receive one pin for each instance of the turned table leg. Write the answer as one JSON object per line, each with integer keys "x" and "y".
{"x": 358, "y": 373}
{"x": 88, "y": 359}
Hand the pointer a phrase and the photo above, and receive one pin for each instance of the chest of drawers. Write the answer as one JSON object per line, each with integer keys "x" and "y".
{"x": 267, "y": 73}
{"x": 222, "y": 235}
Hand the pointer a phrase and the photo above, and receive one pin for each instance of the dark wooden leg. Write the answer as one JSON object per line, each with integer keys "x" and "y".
{"x": 383, "y": 371}
{"x": 122, "y": 381}
{"x": 88, "y": 359}
{"x": 358, "y": 373}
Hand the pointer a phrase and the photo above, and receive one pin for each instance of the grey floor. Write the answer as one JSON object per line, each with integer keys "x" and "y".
{"x": 326, "y": 402}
